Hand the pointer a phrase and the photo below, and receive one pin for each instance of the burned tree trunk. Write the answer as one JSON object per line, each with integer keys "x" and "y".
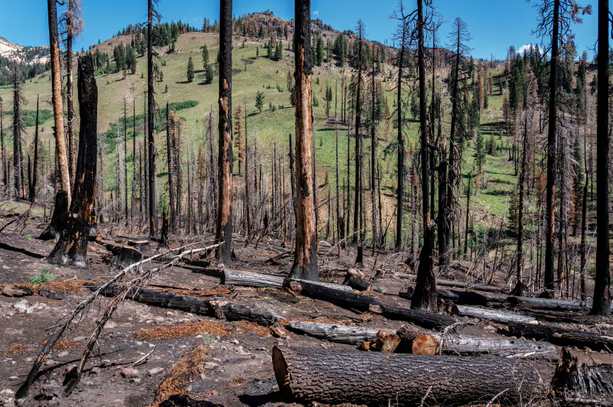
{"x": 32, "y": 192}
{"x": 305, "y": 258}
{"x": 551, "y": 148}
{"x": 337, "y": 376}
{"x": 560, "y": 336}
{"x": 152, "y": 14}
{"x": 425, "y": 285}
{"x": 400, "y": 192}
{"x": 224, "y": 210}
{"x": 602, "y": 286}
{"x": 18, "y": 99}
{"x": 71, "y": 249}
{"x": 58, "y": 111}
{"x": 581, "y": 384}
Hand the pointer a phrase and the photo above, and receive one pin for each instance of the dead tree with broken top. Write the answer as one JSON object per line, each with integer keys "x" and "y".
{"x": 71, "y": 248}
{"x": 305, "y": 257}
{"x": 224, "y": 210}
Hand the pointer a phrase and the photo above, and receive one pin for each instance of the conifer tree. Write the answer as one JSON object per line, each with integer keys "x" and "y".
{"x": 190, "y": 70}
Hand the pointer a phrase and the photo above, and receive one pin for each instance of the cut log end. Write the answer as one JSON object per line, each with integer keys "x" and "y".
{"x": 425, "y": 344}
{"x": 281, "y": 372}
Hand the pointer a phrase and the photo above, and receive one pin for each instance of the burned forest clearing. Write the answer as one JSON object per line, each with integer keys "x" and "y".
{"x": 271, "y": 211}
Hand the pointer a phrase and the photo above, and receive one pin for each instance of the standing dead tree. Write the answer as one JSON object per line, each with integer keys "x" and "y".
{"x": 18, "y": 100}
{"x": 602, "y": 292}
{"x": 71, "y": 249}
{"x": 34, "y": 177}
{"x": 72, "y": 20}
{"x": 305, "y": 257}
{"x": 58, "y": 110}
{"x": 224, "y": 211}
{"x": 152, "y": 15}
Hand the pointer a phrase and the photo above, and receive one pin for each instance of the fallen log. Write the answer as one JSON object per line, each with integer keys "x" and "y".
{"x": 364, "y": 302}
{"x": 478, "y": 287}
{"x": 346, "y": 376}
{"x": 248, "y": 279}
{"x": 357, "y": 283}
{"x": 548, "y": 304}
{"x": 122, "y": 254}
{"x": 334, "y": 332}
{"x": 243, "y": 278}
{"x": 200, "y": 306}
{"x": 464, "y": 297}
{"x": 491, "y": 315}
{"x": 583, "y": 384}
{"x": 560, "y": 336}
{"x": 510, "y": 348}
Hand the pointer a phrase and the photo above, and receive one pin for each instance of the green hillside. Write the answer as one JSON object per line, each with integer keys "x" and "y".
{"x": 271, "y": 126}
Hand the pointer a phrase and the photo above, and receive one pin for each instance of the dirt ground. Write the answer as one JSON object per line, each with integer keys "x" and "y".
{"x": 146, "y": 353}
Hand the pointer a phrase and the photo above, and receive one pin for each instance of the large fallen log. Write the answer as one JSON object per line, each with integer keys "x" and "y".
{"x": 248, "y": 279}
{"x": 560, "y": 336}
{"x": 581, "y": 384}
{"x": 494, "y": 315}
{"x": 334, "y": 332}
{"x": 346, "y": 376}
{"x": 200, "y": 306}
{"x": 364, "y": 302}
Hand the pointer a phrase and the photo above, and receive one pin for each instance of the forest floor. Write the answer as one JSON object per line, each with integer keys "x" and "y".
{"x": 226, "y": 363}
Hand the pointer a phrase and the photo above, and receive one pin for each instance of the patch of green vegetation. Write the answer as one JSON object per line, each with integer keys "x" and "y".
{"x": 44, "y": 276}
{"x": 29, "y": 116}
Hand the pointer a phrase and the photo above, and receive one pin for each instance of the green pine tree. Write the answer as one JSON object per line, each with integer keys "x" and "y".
{"x": 259, "y": 101}
{"x": 190, "y": 70}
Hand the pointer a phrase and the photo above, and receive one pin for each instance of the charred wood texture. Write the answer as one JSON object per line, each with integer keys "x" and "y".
{"x": 560, "y": 336}
{"x": 580, "y": 384}
{"x": 337, "y": 376}
{"x": 200, "y": 306}
{"x": 71, "y": 248}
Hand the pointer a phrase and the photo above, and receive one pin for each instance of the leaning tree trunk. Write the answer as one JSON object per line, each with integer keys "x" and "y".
{"x": 305, "y": 258}
{"x": 224, "y": 211}
{"x": 58, "y": 111}
{"x": 602, "y": 293}
{"x": 71, "y": 248}
{"x": 425, "y": 285}
{"x": 337, "y": 376}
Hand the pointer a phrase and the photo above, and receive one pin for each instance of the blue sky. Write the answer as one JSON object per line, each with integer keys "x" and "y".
{"x": 494, "y": 24}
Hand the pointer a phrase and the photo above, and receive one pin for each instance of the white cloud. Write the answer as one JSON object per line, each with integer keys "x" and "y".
{"x": 526, "y": 47}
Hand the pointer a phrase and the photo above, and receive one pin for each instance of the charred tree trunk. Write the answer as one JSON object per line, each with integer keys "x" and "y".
{"x": 152, "y": 14}
{"x": 400, "y": 192}
{"x": 336, "y": 377}
{"x": 58, "y": 111}
{"x": 305, "y": 260}
{"x": 71, "y": 248}
{"x": 224, "y": 211}
{"x": 602, "y": 293}
{"x": 373, "y": 154}
{"x": 125, "y": 158}
{"x": 247, "y": 200}
{"x": 169, "y": 157}
{"x": 32, "y": 191}
{"x": 519, "y": 288}
{"x": 551, "y": 149}
{"x": 17, "y": 129}
{"x": 70, "y": 29}
{"x": 425, "y": 285}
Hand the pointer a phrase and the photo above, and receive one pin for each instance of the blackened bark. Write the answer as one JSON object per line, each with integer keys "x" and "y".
{"x": 150, "y": 125}
{"x": 35, "y": 164}
{"x": 425, "y": 285}
{"x": 71, "y": 248}
{"x": 400, "y": 191}
{"x": 331, "y": 377}
{"x": 551, "y": 149}
{"x": 224, "y": 211}
{"x": 602, "y": 293}
{"x": 305, "y": 258}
